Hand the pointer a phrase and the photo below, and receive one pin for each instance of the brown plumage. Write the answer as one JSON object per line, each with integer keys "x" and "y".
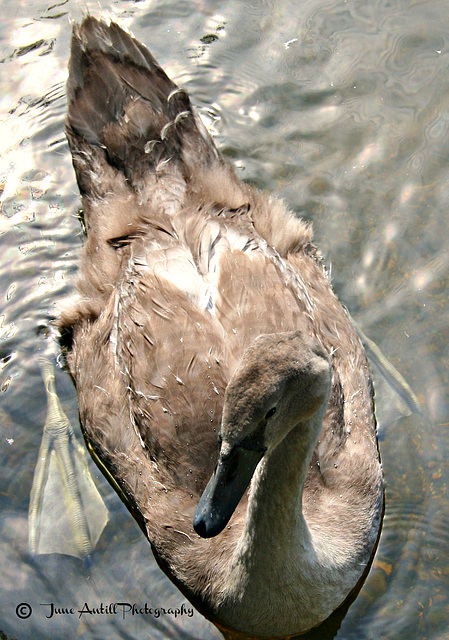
{"x": 184, "y": 267}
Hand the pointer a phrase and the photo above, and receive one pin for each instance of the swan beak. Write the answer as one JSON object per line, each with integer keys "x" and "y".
{"x": 224, "y": 490}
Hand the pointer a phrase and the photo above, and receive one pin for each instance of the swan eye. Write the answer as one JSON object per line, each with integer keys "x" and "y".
{"x": 270, "y": 413}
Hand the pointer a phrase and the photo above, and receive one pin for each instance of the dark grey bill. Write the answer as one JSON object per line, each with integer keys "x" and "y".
{"x": 224, "y": 490}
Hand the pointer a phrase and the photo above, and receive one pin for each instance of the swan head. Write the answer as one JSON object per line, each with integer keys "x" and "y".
{"x": 282, "y": 381}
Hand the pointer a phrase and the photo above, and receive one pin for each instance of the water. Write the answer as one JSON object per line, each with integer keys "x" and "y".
{"x": 342, "y": 108}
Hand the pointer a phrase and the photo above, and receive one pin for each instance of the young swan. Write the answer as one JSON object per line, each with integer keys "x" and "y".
{"x": 283, "y": 382}
{"x": 183, "y": 267}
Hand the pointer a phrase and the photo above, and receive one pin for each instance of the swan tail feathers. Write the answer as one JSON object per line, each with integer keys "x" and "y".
{"x": 126, "y": 112}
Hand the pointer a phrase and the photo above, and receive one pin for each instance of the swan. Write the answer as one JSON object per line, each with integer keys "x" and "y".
{"x": 222, "y": 387}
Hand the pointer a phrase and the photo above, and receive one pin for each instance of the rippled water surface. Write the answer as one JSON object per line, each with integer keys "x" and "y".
{"x": 340, "y": 106}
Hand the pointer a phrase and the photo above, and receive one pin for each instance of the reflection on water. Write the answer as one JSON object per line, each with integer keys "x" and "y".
{"x": 342, "y": 108}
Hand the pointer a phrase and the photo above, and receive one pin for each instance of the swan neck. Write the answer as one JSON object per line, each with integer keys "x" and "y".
{"x": 275, "y": 503}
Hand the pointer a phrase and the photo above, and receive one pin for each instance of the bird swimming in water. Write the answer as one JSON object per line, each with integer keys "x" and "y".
{"x": 222, "y": 387}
